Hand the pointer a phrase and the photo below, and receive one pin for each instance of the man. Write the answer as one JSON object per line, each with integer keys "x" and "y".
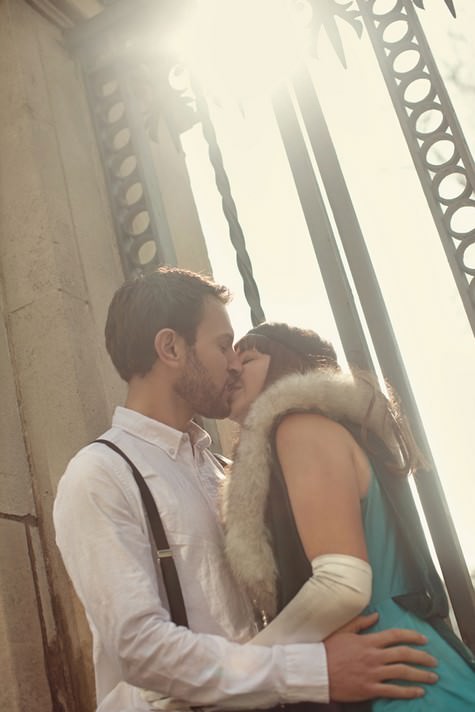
{"x": 170, "y": 338}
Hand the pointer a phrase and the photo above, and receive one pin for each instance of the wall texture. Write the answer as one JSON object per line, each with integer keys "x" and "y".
{"x": 59, "y": 266}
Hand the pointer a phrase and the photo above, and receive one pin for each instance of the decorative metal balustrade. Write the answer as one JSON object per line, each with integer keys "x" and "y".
{"x": 142, "y": 230}
{"x": 432, "y": 131}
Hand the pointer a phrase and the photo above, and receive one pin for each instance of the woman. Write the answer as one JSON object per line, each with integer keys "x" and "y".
{"x": 317, "y": 501}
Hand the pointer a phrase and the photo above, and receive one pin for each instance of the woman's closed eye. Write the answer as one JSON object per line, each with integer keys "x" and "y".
{"x": 246, "y": 357}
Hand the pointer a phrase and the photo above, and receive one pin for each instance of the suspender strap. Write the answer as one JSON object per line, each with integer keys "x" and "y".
{"x": 167, "y": 564}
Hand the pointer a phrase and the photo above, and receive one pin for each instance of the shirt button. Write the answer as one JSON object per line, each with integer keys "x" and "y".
{"x": 171, "y": 451}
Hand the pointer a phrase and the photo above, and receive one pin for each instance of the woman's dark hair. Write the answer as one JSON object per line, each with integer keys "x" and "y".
{"x": 167, "y": 298}
{"x": 298, "y": 350}
{"x": 291, "y": 349}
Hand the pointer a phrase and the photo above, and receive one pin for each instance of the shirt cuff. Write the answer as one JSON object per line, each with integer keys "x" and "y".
{"x": 306, "y": 674}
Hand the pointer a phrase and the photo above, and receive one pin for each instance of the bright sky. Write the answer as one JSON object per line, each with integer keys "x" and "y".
{"x": 426, "y": 311}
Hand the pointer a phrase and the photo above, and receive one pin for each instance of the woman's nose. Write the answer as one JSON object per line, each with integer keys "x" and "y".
{"x": 235, "y": 364}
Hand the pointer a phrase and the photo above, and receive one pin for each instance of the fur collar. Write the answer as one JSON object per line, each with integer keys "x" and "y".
{"x": 334, "y": 394}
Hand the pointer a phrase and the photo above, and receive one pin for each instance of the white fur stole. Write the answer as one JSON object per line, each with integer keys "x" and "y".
{"x": 339, "y": 396}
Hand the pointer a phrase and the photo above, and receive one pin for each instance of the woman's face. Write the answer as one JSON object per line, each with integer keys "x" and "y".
{"x": 250, "y": 383}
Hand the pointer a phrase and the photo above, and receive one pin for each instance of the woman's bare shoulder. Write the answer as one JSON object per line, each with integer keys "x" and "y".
{"x": 311, "y": 428}
{"x": 310, "y": 437}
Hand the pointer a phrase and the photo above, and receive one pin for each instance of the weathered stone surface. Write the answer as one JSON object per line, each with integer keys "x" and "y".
{"x": 37, "y": 235}
{"x": 59, "y": 267}
{"x": 99, "y": 262}
{"x": 64, "y": 407}
{"x": 15, "y": 480}
{"x": 62, "y": 392}
{"x": 67, "y": 682}
{"x": 24, "y": 678}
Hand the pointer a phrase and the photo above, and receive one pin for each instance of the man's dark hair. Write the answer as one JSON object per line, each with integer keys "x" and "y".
{"x": 167, "y": 298}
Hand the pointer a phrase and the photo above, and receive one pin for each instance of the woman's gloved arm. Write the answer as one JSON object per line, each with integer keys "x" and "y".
{"x": 338, "y": 590}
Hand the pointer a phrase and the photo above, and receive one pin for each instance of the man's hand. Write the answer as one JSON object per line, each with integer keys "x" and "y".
{"x": 360, "y": 665}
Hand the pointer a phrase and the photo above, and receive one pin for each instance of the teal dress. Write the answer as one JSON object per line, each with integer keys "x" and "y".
{"x": 402, "y": 570}
{"x": 455, "y": 690}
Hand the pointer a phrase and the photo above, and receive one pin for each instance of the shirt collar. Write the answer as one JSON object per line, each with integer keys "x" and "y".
{"x": 157, "y": 433}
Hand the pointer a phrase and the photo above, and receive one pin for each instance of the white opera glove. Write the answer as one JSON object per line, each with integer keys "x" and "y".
{"x": 338, "y": 590}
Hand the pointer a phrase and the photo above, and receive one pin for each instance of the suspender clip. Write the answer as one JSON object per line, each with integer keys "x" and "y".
{"x": 164, "y": 553}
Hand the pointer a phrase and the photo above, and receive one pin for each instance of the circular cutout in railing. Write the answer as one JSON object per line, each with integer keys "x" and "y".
{"x": 407, "y": 61}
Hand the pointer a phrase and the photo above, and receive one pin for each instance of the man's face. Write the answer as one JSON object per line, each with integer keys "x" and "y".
{"x": 212, "y": 366}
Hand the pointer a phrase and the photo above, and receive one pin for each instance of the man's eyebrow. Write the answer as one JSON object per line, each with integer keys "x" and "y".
{"x": 227, "y": 336}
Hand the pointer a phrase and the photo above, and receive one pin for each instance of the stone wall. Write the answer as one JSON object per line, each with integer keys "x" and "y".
{"x": 59, "y": 266}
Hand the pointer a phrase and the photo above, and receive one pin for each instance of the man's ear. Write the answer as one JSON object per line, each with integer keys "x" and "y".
{"x": 170, "y": 347}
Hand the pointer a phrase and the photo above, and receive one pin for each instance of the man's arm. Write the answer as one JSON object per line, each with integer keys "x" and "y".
{"x": 363, "y": 667}
{"x": 103, "y": 538}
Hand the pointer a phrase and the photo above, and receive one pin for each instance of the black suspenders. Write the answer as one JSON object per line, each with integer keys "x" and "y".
{"x": 167, "y": 565}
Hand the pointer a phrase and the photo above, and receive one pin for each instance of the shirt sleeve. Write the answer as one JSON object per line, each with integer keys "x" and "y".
{"x": 101, "y": 533}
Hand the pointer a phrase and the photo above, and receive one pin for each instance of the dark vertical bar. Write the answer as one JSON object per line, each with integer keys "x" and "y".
{"x": 433, "y": 500}
{"x": 223, "y": 185}
{"x": 321, "y": 233}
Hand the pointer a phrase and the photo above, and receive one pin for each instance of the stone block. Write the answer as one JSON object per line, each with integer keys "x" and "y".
{"x": 62, "y": 641}
{"x": 38, "y": 247}
{"x": 64, "y": 407}
{"x": 62, "y": 392}
{"x": 24, "y": 678}
{"x": 83, "y": 174}
{"x": 15, "y": 480}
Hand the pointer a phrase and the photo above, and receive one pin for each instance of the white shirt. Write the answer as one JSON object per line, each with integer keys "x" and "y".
{"x": 103, "y": 537}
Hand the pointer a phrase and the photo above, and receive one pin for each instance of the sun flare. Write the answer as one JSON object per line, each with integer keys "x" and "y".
{"x": 240, "y": 48}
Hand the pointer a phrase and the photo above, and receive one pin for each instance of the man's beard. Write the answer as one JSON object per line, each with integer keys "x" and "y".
{"x": 198, "y": 390}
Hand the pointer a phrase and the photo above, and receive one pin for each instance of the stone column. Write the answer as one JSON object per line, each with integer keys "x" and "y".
{"x": 59, "y": 267}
